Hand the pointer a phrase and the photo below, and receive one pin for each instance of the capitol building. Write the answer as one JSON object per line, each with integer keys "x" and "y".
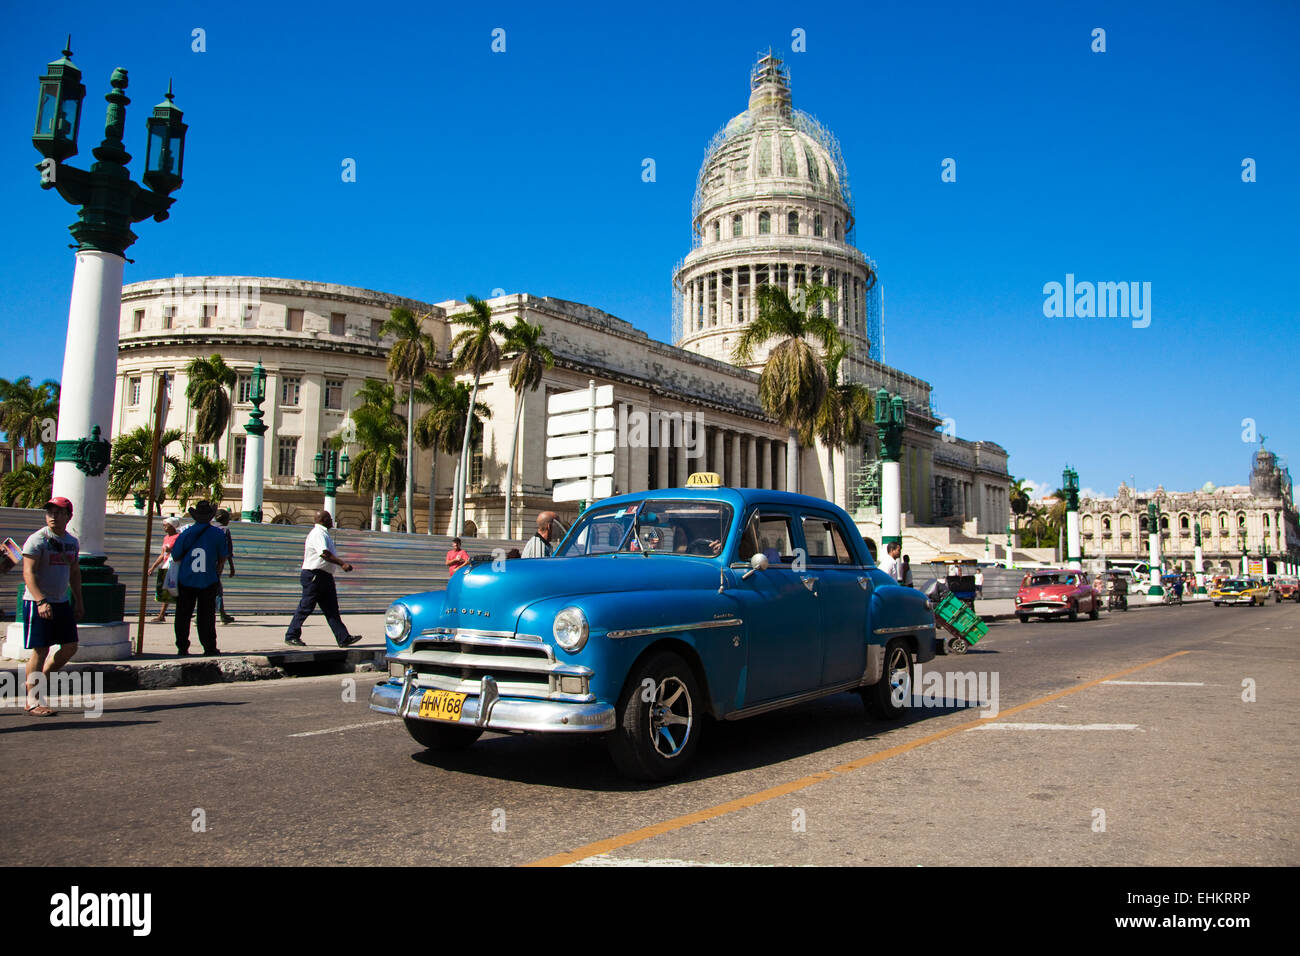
{"x": 772, "y": 206}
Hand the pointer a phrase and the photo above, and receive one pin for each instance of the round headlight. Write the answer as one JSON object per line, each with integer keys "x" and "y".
{"x": 397, "y": 623}
{"x": 570, "y": 629}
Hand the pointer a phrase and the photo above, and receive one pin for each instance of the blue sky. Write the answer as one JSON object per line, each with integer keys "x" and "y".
{"x": 522, "y": 171}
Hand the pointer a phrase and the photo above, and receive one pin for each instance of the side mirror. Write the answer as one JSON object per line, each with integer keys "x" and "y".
{"x": 757, "y": 563}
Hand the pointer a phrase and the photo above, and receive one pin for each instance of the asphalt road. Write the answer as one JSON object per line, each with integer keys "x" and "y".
{"x": 1170, "y": 767}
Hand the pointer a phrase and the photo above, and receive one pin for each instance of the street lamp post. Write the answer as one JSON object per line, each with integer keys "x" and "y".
{"x": 254, "y": 449}
{"x": 1200, "y": 560}
{"x": 1010, "y": 544}
{"x": 1156, "y": 590}
{"x": 1245, "y": 556}
{"x": 110, "y": 202}
{"x": 331, "y": 471}
{"x": 1070, "y": 483}
{"x": 891, "y": 420}
{"x": 1264, "y": 559}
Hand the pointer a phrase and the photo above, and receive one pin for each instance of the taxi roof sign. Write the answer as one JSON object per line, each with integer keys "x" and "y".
{"x": 704, "y": 479}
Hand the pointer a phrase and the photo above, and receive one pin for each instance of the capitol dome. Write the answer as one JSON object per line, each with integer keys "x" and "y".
{"x": 772, "y": 205}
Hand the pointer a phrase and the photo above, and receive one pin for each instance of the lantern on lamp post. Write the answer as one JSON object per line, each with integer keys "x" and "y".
{"x": 58, "y": 109}
{"x": 331, "y": 470}
{"x": 1070, "y": 484}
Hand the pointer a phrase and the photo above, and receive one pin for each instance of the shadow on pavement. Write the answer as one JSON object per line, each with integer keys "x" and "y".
{"x": 726, "y": 747}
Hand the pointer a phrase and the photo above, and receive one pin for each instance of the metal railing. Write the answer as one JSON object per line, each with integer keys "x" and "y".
{"x": 268, "y": 559}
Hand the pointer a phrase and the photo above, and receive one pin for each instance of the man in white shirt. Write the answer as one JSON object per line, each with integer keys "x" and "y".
{"x": 890, "y": 565}
{"x": 317, "y": 578}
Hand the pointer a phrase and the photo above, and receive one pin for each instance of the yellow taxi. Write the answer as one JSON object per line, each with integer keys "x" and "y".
{"x": 1240, "y": 591}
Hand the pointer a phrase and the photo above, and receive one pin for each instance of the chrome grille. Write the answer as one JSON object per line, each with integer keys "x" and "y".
{"x": 457, "y": 659}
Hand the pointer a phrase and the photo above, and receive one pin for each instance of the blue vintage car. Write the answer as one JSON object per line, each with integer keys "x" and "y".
{"x": 658, "y": 610}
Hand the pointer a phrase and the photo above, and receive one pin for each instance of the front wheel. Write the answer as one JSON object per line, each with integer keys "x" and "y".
{"x": 441, "y": 736}
{"x": 1095, "y": 612}
{"x": 658, "y": 719}
{"x": 1024, "y": 618}
{"x": 1074, "y": 613}
{"x": 888, "y": 697}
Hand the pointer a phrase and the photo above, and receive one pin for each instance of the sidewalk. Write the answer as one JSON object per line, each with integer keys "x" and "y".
{"x": 1000, "y": 609}
{"x": 252, "y": 648}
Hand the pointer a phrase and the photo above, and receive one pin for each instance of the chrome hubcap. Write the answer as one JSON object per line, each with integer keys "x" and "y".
{"x": 672, "y": 717}
{"x": 900, "y": 681}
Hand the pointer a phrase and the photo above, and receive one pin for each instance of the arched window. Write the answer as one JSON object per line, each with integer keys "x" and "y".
{"x": 717, "y": 234}
{"x": 837, "y": 235}
{"x": 1241, "y": 515}
{"x": 1223, "y": 518}
{"x": 791, "y": 227}
{"x": 764, "y": 227}
{"x": 1087, "y": 521}
{"x": 1142, "y": 522}
{"x": 1105, "y": 522}
{"x": 737, "y": 229}
{"x": 1125, "y": 523}
{"x": 1265, "y": 513}
{"x": 1164, "y": 520}
{"x": 817, "y": 230}
{"x": 1184, "y": 522}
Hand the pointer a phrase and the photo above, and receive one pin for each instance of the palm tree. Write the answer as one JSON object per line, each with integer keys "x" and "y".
{"x": 1018, "y": 498}
{"x": 28, "y": 485}
{"x": 200, "y": 478}
{"x": 847, "y": 413}
{"x": 380, "y": 432}
{"x": 129, "y": 468}
{"x": 792, "y": 386}
{"x": 26, "y": 414}
{"x": 206, "y": 391}
{"x": 532, "y": 359}
{"x": 442, "y": 426}
{"x": 407, "y": 360}
{"x": 475, "y": 350}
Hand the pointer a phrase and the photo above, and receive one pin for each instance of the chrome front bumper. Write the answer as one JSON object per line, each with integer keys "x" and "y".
{"x": 1043, "y": 609}
{"x": 490, "y": 711}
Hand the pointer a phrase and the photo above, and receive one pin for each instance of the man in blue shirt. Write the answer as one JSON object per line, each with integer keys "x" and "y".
{"x": 201, "y": 552}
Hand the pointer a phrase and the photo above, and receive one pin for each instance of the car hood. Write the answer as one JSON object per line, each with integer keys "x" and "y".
{"x": 491, "y": 596}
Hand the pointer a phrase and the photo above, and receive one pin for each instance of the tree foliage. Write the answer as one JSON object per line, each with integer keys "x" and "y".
{"x": 208, "y": 380}
{"x": 129, "y": 467}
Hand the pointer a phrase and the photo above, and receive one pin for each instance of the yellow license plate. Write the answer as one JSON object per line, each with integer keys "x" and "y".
{"x": 442, "y": 704}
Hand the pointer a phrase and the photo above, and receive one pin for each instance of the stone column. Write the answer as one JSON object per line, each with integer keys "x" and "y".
{"x": 719, "y": 454}
{"x": 751, "y": 464}
{"x": 736, "y": 294}
{"x": 765, "y": 462}
{"x": 683, "y": 466}
{"x": 664, "y": 439}
{"x": 780, "y": 478}
{"x": 737, "y": 466}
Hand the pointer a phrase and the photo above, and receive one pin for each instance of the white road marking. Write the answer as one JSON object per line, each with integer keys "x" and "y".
{"x": 1156, "y": 683}
{"x": 339, "y": 730}
{"x": 996, "y": 725}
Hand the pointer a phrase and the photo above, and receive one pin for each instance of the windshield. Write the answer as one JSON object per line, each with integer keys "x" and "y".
{"x": 662, "y": 527}
{"x": 1235, "y": 585}
{"x": 1043, "y": 580}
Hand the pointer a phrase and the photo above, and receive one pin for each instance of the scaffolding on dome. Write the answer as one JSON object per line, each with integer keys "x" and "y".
{"x": 876, "y": 317}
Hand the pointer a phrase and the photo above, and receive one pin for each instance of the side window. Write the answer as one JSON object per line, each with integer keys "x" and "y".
{"x": 774, "y": 537}
{"x": 824, "y": 541}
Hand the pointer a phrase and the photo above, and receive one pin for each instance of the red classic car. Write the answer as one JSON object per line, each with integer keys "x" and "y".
{"x": 1286, "y": 588}
{"x": 1057, "y": 593}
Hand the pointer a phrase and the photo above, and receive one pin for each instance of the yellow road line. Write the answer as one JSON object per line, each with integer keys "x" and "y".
{"x": 610, "y": 844}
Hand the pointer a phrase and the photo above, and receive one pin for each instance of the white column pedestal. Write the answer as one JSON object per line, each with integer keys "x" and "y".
{"x": 96, "y": 642}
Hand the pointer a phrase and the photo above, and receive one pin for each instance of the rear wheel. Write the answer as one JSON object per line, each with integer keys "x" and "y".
{"x": 441, "y": 736}
{"x": 888, "y": 697}
{"x": 659, "y": 714}
{"x": 1095, "y": 612}
{"x": 957, "y": 645}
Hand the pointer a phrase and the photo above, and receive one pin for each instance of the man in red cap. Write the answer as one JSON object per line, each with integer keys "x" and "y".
{"x": 50, "y": 570}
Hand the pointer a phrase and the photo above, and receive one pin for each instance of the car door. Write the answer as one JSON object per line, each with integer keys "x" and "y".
{"x": 782, "y": 621}
{"x": 843, "y": 592}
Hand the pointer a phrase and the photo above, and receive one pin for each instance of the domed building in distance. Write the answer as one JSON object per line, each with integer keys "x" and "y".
{"x": 772, "y": 206}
